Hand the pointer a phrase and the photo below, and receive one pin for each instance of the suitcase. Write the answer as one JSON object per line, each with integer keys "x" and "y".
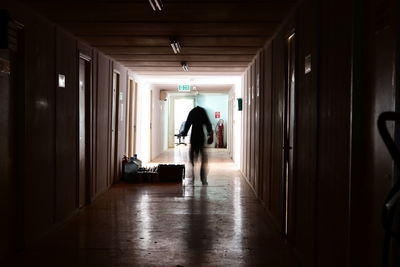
{"x": 172, "y": 173}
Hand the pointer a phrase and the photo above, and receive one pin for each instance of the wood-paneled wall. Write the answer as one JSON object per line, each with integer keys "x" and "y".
{"x": 374, "y": 92}
{"x": 50, "y": 121}
{"x": 342, "y": 170}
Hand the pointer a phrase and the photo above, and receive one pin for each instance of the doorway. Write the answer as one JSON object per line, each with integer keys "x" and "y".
{"x": 84, "y": 130}
{"x": 151, "y": 126}
{"x": 289, "y": 124}
{"x": 131, "y": 118}
{"x": 114, "y": 127}
{"x": 182, "y": 107}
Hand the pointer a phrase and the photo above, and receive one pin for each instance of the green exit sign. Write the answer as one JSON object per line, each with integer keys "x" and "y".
{"x": 184, "y": 88}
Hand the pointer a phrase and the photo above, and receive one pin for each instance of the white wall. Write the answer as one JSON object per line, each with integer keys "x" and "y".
{"x": 159, "y": 115}
{"x": 236, "y": 92}
{"x": 143, "y": 122}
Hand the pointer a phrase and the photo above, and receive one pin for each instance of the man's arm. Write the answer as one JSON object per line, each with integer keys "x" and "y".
{"x": 188, "y": 123}
{"x": 207, "y": 123}
{"x": 210, "y": 133}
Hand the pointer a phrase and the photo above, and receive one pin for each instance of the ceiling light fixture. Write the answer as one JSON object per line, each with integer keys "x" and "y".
{"x": 185, "y": 66}
{"x": 156, "y": 4}
{"x": 175, "y": 45}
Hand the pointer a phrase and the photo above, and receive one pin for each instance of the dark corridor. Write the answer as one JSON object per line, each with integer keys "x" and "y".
{"x": 312, "y": 166}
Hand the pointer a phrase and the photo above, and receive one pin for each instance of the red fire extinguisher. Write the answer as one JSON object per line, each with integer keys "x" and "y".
{"x": 220, "y": 134}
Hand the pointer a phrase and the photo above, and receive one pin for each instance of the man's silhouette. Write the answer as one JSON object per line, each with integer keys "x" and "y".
{"x": 198, "y": 118}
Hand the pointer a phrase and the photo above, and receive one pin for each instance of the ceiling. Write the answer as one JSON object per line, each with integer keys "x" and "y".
{"x": 217, "y": 36}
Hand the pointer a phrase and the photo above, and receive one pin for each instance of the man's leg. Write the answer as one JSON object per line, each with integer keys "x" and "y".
{"x": 191, "y": 158}
{"x": 204, "y": 167}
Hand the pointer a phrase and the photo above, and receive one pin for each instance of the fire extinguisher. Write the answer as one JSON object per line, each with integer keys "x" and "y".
{"x": 220, "y": 134}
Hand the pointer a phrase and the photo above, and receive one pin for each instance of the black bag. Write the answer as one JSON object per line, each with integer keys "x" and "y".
{"x": 171, "y": 173}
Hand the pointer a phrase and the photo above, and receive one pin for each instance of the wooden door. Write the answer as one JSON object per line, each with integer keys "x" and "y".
{"x": 12, "y": 136}
{"x": 289, "y": 116}
{"x": 83, "y": 135}
{"x": 7, "y": 151}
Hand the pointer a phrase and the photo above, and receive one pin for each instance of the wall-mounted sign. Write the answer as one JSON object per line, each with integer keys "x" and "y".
{"x": 217, "y": 115}
{"x": 184, "y": 88}
{"x": 307, "y": 64}
{"x": 61, "y": 81}
{"x": 240, "y": 104}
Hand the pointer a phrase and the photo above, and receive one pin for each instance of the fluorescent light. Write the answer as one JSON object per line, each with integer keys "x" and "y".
{"x": 175, "y": 45}
{"x": 185, "y": 66}
{"x": 174, "y": 48}
{"x": 159, "y": 4}
{"x": 178, "y": 46}
{"x": 156, "y": 4}
{"x": 152, "y": 5}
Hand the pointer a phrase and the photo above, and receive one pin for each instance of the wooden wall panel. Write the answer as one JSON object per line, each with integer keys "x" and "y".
{"x": 40, "y": 170}
{"x": 121, "y": 116}
{"x": 66, "y": 126}
{"x": 372, "y": 166}
{"x": 321, "y": 230}
{"x": 49, "y": 133}
{"x": 7, "y": 174}
{"x": 334, "y": 133}
{"x": 257, "y": 177}
{"x": 87, "y": 51}
{"x": 260, "y": 131}
{"x": 278, "y": 85}
{"x": 248, "y": 118}
{"x": 266, "y": 108}
{"x": 243, "y": 123}
{"x": 251, "y": 125}
{"x": 304, "y": 223}
{"x": 102, "y": 122}
{"x": 245, "y": 119}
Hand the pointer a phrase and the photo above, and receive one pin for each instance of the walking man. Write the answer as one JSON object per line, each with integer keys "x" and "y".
{"x": 197, "y": 119}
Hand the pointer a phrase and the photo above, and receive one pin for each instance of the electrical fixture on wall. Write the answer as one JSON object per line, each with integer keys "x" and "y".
{"x": 195, "y": 91}
{"x": 176, "y": 46}
{"x": 156, "y": 4}
{"x": 185, "y": 66}
{"x": 61, "y": 80}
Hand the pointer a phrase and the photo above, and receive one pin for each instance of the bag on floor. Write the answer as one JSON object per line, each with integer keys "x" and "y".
{"x": 173, "y": 173}
{"x": 130, "y": 172}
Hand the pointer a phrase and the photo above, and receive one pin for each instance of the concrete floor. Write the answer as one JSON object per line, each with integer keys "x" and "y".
{"x": 221, "y": 224}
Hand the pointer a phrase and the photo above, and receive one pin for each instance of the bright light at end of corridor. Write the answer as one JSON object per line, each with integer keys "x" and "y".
{"x": 198, "y": 80}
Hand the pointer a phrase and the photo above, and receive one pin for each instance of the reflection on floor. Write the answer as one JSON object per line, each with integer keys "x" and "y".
{"x": 221, "y": 224}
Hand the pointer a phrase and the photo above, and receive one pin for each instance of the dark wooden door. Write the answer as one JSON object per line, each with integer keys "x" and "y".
{"x": 83, "y": 173}
{"x": 12, "y": 135}
{"x": 288, "y": 142}
{"x": 7, "y": 133}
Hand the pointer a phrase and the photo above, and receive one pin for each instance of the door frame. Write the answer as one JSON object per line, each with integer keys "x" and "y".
{"x": 151, "y": 127}
{"x": 289, "y": 135}
{"x": 131, "y": 111}
{"x": 171, "y": 119}
{"x": 114, "y": 115}
{"x": 88, "y": 130}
